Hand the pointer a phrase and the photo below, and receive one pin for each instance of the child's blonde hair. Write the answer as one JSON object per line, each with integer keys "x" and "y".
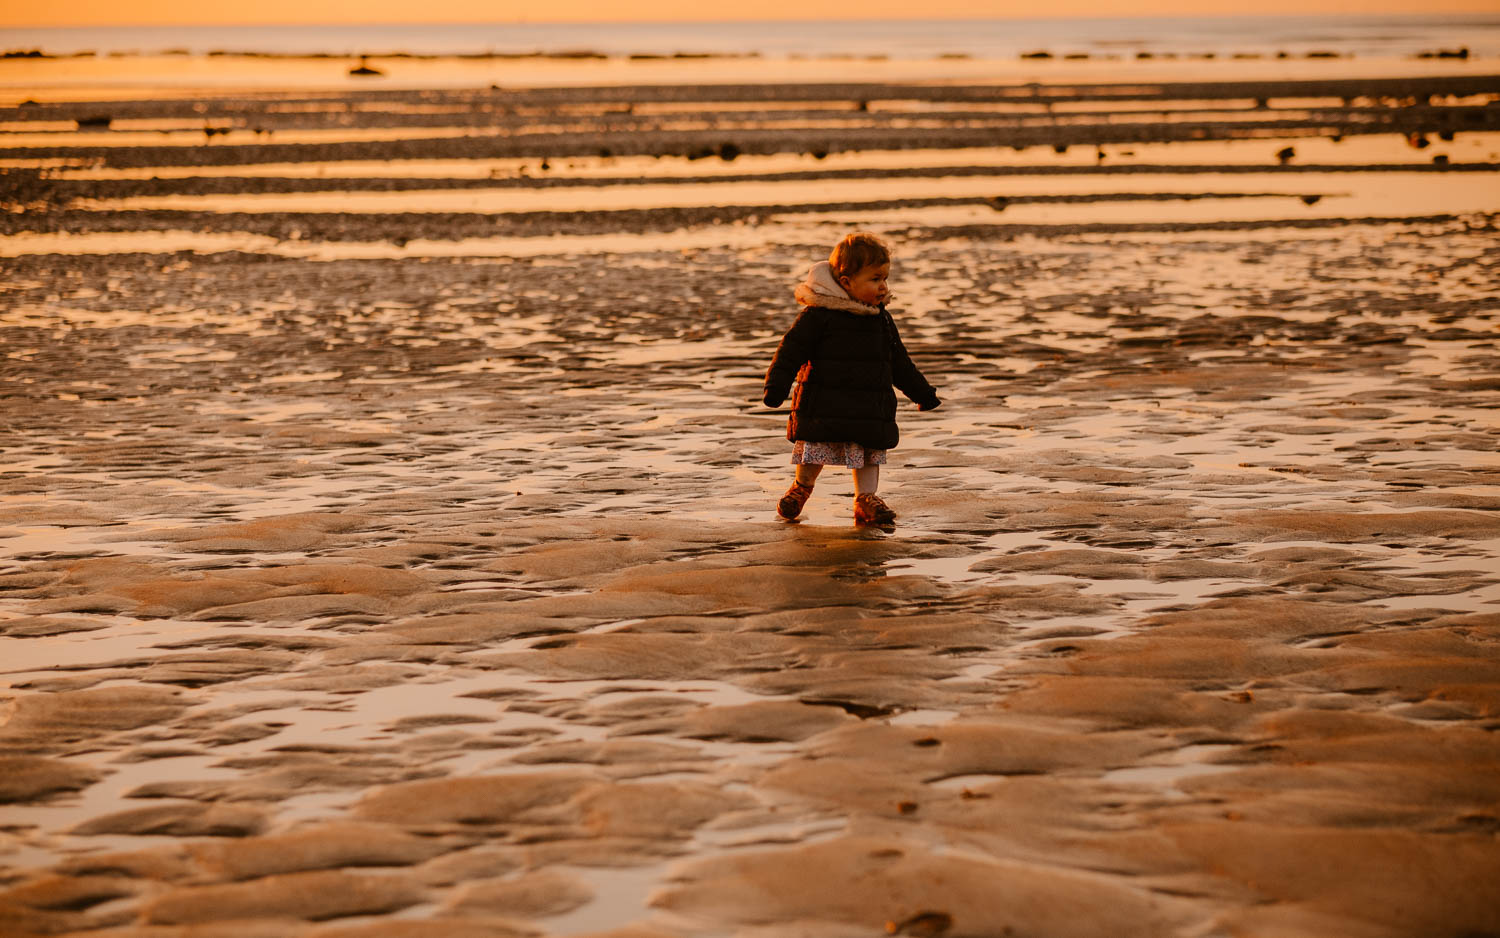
{"x": 856, "y": 252}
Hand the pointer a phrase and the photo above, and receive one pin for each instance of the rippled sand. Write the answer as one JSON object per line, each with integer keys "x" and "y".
{"x": 356, "y": 584}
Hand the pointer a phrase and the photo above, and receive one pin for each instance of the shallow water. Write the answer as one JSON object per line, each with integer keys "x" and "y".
{"x": 1354, "y": 151}
{"x": 168, "y": 77}
{"x": 739, "y": 193}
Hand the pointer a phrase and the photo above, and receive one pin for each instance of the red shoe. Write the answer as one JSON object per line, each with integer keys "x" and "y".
{"x": 869, "y": 509}
{"x": 791, "y": 503}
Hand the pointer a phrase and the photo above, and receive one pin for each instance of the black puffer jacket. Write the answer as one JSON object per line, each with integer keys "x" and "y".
{"x": 844, "y": 363}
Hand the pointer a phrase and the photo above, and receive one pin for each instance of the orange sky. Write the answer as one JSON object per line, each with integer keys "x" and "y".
{"x": 164, "y": 12}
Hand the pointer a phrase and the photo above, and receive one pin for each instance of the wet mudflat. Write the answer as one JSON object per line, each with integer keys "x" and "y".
{"x": 419, "y": 594}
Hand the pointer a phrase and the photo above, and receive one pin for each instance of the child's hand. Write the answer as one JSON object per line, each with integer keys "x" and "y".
{"x": 933, "y": 406}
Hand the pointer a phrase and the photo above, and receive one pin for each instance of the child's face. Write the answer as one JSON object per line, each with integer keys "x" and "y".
{"x": 868, "y": 284}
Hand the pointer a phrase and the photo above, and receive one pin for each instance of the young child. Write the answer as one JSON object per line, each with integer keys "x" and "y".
{"x": 844, "y": 354}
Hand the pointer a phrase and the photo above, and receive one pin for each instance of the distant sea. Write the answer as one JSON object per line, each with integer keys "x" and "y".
{"x": 1357, "y": 36}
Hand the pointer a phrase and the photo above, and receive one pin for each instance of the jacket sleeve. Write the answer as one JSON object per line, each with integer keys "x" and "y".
{"x": 795, "y": 350}
{"x": 905, "y": 374}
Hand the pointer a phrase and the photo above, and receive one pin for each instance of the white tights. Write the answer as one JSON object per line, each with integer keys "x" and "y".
{"x": 866, "y": 480}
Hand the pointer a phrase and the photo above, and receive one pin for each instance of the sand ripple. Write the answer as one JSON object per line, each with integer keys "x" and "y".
{"x": 425, "y": 595}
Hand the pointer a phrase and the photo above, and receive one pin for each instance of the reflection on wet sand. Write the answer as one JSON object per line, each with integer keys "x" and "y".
{"x": 360, "y": 588}
{"x": 1318, "y": 154}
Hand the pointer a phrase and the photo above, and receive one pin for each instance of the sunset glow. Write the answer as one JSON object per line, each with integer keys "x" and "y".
{"x": 185, "y": 12}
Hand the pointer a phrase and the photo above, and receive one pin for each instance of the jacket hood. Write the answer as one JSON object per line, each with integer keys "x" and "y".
{"x": 821, "y": 288}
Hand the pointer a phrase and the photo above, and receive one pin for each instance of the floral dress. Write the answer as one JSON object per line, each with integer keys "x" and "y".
{"x": 851, "y": 455}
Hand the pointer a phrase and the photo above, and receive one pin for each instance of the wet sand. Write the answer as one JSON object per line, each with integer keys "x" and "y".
{"x": 415, "y": 572}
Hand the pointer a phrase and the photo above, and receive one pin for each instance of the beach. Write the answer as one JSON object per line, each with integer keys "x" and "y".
{"x": 388, "y": 543}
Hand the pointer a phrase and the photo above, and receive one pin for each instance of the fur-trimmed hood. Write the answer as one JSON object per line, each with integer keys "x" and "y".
{"x": 821, "y": 288}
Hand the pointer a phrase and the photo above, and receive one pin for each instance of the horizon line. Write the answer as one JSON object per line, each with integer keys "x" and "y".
{"x": 656, "y": 21}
